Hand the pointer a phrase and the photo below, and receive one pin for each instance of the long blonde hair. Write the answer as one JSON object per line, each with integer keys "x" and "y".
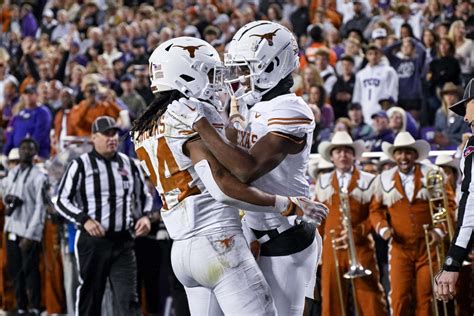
{"x": 456, "y": 24}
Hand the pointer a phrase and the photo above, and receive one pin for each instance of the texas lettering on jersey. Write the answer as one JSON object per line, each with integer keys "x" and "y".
{"x": 246, "y": 139}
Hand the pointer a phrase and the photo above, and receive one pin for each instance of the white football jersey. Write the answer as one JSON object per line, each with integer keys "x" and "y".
{"x": 286, "y": 115}
{"x": 188, "y": 208}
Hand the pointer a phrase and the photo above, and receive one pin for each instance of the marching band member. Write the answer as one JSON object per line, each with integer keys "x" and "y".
{"x": 343, "y": 152}
{"x": 401, "y": 192}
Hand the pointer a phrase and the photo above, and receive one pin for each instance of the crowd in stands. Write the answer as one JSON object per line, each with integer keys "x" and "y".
{"x": 372, "y": 68}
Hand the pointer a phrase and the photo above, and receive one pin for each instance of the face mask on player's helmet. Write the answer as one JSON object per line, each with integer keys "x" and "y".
{"x": 260, "y": 54}
{"x": 189, "y": 65}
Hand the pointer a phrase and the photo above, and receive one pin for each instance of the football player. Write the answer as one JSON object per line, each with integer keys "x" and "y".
{"x": 273, "y": 140}
{"x": 200, "y": 198}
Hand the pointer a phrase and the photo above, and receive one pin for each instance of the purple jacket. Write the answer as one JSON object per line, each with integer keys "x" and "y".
{"x": 29, "y": 26}
{"x": 34, "y": 123}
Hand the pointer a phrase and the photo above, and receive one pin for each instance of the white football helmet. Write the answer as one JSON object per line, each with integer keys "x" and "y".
{"x": 260, "y": 54}
{"x": 189, "y": 65}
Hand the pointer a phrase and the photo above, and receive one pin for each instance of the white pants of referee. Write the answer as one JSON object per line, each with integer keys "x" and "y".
{"x": 220, "y": 275}
{"x": 292, "y": 277}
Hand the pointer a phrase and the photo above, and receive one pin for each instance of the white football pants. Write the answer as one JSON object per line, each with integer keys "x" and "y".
{"x": 221, "y": 276}
{"x": 292, "y": 277}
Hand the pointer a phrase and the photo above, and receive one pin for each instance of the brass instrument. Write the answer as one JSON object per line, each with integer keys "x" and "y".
{"x": 356, "y": 270}
{"x": 438, "y": 203}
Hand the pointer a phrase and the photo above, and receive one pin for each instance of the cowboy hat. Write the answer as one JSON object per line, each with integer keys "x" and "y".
{"x": 460, "y": 107}
{"x": 341, "y": 139}
{"x": 448, "y": 161}
{"x": 405, "y": 140}
{"x": 317, "y": 165}
{"x": 450, "y": 87}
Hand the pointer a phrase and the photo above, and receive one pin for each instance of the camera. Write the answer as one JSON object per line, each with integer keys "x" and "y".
{"x": 12, "y": 202}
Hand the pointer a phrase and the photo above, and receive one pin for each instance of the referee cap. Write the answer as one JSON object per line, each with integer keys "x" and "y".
{"x": 103, "y": 124}
{"x": 460, "y": 107}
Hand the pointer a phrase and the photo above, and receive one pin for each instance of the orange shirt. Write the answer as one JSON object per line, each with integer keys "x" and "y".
{"x": 82, "y": 116}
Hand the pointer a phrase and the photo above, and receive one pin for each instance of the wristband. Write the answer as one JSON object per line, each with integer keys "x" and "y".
{"x": 281, "y": 203}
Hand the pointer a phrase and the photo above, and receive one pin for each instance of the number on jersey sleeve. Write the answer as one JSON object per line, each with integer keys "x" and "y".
{"x": 169, "y": 175}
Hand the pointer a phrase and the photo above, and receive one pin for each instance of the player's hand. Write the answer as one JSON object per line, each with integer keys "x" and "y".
{"x": 187, "y": 112}
{"x": 445, "y": 285}
{"x": 342, "y": 240}
{"x": 94, "y": 228}
{"x": 310, "y": 211}
{"x": 143, "y": 226}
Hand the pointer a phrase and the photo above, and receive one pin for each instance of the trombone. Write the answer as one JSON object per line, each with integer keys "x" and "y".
{"x": 438, "y": 204}
{"x": 356, "y": 270}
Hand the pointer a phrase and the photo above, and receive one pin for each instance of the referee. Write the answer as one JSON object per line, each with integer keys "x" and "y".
{"x": 99, "y": 192}
{"x": 445, "y": 281}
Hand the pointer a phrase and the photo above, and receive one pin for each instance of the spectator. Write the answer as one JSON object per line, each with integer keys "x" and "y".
{"x": 104, "y": 245}
{"x": 317, "y": 95}
{"x": 352, "y": 49}
{"x": 310, "y": 78}
{"x": 359, "y": 22}
{"x": 142, "y": 84}
{"x": 429, "y": 43}
{"x": 449, "y": 127}
{"x": 374, "y": 82}
{"x": 402, "y": 121}
{"x": 382, "y": 132}
{"x": 409, "y": 62}
{"x": 135, "y": 103}
{"x": 299, "y": 18}
{"x": 343, "y": 124}
{"x": 84, "y": 114}
{"x": 63, "y": 29}
{"x": 34, "y": 121}
{"x": 11, "y": 99}
{"x": 360, "y": 129}
{"x": 327, "y": 73}
{"x": 22, "y": 192}
{"x": 318, "y": 41}
{"x": 443, "y": 69}
{"x": 4, "y": 72}
{"x": 341, "y": 94}
{"x": 379, "y": 37}
{"x": 62, "y": 126}
{"x": 464, "y": 49}
{"x": 48, "y": 23}
{"x": 29, "y": 25}
{"x": 111, "y": 52}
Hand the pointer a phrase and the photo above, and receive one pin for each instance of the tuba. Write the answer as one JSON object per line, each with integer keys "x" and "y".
{"x": 356, "y": 270}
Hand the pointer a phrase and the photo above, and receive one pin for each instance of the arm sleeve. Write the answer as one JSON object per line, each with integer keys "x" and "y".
{"x": 66, "y": 205}
{"x": 32, "y": 68}
{"x": 62, "y": 67}
{"x": 34, "y": 231}
{"x": 296, "y": 120}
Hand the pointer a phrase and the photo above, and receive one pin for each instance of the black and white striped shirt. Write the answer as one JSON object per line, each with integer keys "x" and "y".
{"x": 109, "y": 191}
{"x": 464, "y": 235}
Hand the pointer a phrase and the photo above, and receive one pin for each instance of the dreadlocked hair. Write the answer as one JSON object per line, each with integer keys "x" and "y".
{"x": 148, "y": 121}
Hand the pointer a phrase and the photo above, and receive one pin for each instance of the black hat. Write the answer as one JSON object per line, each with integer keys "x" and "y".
{"x": 103, "y": 124}
{"x": 139, "y": 42}
{"x": 126, "y": 77}
{"x": 348, "y": 58}
{"x": 354, "y": 106}
{"x": 460, "y": 107}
